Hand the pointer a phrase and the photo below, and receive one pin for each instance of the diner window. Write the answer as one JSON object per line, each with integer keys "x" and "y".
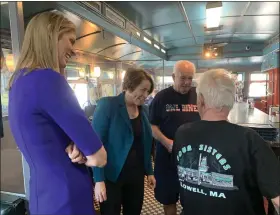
{"x": 257, "y": 90}
{"x": 258, "y": 77}
{"x": 257, "y": 86}
{"x": 240, "y": 77}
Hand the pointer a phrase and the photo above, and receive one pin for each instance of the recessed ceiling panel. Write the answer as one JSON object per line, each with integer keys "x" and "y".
{"x": 170, "y": 32}
{"x": 259, "y": 24}
{"x": 198, "y": 27}
{"x": 233, "y": 8}
{"x": 263, "y": 8}
{"x": 148, "y": 14}
{"x": 201, "y": 40}
{"x": 195, "y": 10}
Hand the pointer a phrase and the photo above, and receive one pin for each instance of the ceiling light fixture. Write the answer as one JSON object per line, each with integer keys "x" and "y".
{"x": 163, "y": 51}
{"x": 147, "y": 40}
{"x": 207, "y": 54}
{"x": 213, "y": 14}
{"x": 156, "y": 46}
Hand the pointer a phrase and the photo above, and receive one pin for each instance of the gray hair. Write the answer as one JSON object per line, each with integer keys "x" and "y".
{"x": 184, "y": 65}
{"x": 218, "y": 89}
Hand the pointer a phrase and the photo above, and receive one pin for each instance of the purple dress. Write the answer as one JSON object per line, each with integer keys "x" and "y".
{"x": 44, "y": 117}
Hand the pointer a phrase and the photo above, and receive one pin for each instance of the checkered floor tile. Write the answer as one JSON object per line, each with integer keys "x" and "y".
{"x": 150, "y": 206}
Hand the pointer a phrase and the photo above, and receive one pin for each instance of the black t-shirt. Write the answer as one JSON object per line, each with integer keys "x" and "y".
{"x": 170, "y": 109}
{"x": 224, "y": 168}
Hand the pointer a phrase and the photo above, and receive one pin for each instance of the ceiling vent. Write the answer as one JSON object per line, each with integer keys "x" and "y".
{"x": 95, "y": 5}
{"x": 114, "y": 17}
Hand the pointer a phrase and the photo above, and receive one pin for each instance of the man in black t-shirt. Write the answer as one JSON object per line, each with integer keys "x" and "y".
{"x": 223, "y": 168}
{"x": 171, "y": 108}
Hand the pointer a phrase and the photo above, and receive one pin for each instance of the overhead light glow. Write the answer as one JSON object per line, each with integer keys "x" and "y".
{"x": 147, "y": 40}
{"x": 96, "y": 72}
{"x": 163, "y": 51}
{"x": 156, "y": 46}
{"x": 213, "y": 14}
{"x": 215, "y": 54}
{"x": 10, "y": 62}
{"x": 207, "y": 54}
{"x": 138, "y": 34}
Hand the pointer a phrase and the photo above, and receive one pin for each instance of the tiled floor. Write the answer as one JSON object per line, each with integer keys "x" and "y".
{"x": 150, "y": 206}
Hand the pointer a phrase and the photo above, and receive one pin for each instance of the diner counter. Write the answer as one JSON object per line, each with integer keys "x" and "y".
{"x": 242, "y": 115}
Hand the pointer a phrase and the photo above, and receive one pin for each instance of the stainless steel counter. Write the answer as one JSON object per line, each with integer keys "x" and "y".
{"x": 242, "y": 115}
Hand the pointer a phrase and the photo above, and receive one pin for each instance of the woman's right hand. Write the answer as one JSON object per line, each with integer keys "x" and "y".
{"x": 100, "y": 191}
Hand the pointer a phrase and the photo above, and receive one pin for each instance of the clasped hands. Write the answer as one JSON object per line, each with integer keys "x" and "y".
{"x": 75, "y": 154}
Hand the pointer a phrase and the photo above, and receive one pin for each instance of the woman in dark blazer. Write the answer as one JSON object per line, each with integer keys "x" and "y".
{"x": 123, "y": 126}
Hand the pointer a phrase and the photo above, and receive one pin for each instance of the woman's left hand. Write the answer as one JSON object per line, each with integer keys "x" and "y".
{"x": 151, "y": 182}
{"x": 75, "y": 154}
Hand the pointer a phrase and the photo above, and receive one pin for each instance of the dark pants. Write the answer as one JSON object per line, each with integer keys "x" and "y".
{"x": 167, "y": 187}
{"x": 129, "y": 194}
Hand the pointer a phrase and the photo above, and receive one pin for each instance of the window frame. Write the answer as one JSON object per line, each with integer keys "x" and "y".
{"x": 257, "y": 81}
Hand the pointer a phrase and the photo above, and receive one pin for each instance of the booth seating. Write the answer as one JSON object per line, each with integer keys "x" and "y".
{"x": 12, "y": 205}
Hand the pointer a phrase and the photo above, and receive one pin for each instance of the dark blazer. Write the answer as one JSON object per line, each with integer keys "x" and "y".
{"x": 111, "y": 122}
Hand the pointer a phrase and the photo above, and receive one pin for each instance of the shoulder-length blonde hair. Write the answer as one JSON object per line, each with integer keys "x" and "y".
{"x": 40, "y": 44}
